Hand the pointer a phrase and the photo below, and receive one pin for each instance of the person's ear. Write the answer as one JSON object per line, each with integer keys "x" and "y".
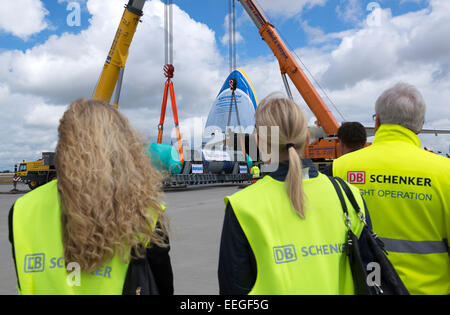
{"x": 417, "y": 132}
{"x": 377, "y": 123}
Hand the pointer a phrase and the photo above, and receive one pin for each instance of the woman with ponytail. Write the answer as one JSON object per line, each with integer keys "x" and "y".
{"x": 285, "y": 234}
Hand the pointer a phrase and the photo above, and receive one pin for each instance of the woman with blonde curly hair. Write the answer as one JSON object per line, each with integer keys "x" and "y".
{"x": 99, "y": 228}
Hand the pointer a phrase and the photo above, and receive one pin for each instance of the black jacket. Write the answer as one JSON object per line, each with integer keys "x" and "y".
{"x": 150, "y": 275}
{"x": 237, "y": 264}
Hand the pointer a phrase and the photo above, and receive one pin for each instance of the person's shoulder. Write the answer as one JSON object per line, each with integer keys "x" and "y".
{"x": 349, "y": 158}
{"x": 253, "y": 188}
{"x": 437, "y": 159}
{"x": 358, "y": 153}
{"x": 50, "y": 187}
{"x": 438, "y": 165}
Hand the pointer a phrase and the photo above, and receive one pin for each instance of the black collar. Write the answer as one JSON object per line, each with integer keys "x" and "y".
{"x": 283, "y": 168}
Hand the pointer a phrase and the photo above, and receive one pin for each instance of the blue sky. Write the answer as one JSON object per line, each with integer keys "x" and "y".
{"x": 56, "y": 18}
{"x": 45, "y": 63}
{"x": 212, "y": 13}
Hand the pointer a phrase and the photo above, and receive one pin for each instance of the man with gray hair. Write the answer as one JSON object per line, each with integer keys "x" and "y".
{"x": 407, "y": 191}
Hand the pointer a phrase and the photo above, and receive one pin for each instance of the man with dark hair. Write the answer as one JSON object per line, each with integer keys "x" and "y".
{"x": 352, "y": 137}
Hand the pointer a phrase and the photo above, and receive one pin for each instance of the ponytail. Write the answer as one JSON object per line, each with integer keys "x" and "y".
{"x": 293, "y": 137}
{"x": 294, "y": 182}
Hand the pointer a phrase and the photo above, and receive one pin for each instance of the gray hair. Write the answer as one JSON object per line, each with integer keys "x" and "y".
{"x": 402, "y": 105}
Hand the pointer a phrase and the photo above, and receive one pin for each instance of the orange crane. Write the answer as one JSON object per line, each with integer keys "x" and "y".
{"x": 323, "y": 149}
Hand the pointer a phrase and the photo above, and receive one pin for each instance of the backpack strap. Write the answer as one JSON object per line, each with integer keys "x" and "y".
{"x": 340, "y": 195}
{"x": 342, "y": 200}
{"x": 352, "y": 199}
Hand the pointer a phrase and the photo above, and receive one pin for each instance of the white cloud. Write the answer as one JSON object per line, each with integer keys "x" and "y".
{"x": 22, "y": 135}
{"x": 68, "y": 1}
{"x": 288, "y": 8}
{"x": 357, "y": 65}
{"x": 41, "y": 81}
{"x": 397, "y": 46}
{"x": 226, "y": 38}
{"x": 68, "y": 66}
{"x": 354, "y": 67}
{"x": 350, "y": 10}
{"x": 44, "y": 116}
{"x": 23, "y": 18}
{"x": 406, "y": 48}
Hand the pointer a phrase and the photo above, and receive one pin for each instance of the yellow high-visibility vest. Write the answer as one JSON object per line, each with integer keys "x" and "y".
{"x": 255, "y": 171}
{"x": 407, "y": 191}
{"x": 39, "y": 251}
{"x": 294, "y": 255}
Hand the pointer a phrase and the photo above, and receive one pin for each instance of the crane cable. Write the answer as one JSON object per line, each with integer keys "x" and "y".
{"x": 169, "y": 89}
{"x": 233, "y": 68}
{"x": 232, "y": 34}
{"x": 233, "y": 80}
{"x": 320, "y": 87}
{"x": 168, "y": 39}
{"x": 232, "y": 59}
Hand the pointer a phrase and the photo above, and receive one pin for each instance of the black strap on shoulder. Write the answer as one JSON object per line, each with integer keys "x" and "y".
{"x": 339, "y": 193}
{"x": 11, "y": 240}
{"x": 349, "y": 194}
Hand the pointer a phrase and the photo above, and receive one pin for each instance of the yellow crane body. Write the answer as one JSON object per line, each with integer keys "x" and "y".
{"x": 118, "y": 54}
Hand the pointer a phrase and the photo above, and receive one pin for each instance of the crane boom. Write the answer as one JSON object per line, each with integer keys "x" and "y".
{"x": 118, "y": 54}
{"x": 289, "y": 66}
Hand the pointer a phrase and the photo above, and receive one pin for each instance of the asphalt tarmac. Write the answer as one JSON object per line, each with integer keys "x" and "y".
{"x": 196, "y": 216}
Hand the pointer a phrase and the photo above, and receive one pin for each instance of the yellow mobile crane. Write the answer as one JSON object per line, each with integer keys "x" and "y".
{"x": 113, "y": 70}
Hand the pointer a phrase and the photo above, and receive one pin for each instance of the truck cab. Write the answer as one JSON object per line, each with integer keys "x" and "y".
{"x": 37, "y": 173}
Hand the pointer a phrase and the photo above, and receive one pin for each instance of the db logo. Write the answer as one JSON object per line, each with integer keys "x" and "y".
{"x": 34, "y": 263}
{"x": 356, "y": 177}
{"x": 284, "y": 254}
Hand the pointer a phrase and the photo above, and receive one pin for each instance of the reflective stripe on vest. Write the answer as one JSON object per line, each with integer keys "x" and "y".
{"x": 406, "y": 190}
{"x": 296, "y": 256}
{"x": 39, "y": 251}
{"x": 415, "y": 247}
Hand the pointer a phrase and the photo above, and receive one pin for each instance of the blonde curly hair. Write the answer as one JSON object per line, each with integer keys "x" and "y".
{"x": 108, "y": 190}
